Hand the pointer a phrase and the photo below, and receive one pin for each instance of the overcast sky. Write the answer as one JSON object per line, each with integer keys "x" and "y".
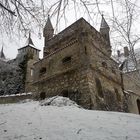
{"x": 11, "y": 45}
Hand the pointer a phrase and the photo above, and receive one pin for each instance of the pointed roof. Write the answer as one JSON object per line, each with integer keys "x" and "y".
{"x": 29, "y": 43}
{"x": 29, "y": 40}
{"x": 103, "y": 23}
{"x": 48, "y": 24}
{"x": 2, "y": 54}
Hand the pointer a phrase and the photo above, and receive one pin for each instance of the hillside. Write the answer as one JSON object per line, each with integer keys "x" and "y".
{"x": 65, "y": 121}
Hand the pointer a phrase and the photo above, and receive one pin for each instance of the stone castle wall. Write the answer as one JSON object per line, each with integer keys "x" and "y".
{"x": 132, "y": 102}
{"x": 14, "y": 98}
{"x": 32, "y": 57}
{"x": 89, "y": 65}
{"x": 132, "y": 81}
{"x": 132, "y": 86}
{"x": 72, "y": 84}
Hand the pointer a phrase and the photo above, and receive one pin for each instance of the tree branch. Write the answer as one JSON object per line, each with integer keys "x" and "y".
{"x": 11, "y": 12}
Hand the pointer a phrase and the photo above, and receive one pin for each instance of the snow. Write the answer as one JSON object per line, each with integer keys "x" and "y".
{"x": 58, "y": 101}
{"x": 20, "y": 94}
{"x": 31, "y": 121}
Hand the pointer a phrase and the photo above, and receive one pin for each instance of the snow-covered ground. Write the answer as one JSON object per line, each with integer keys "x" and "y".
{"x": 34, "y": 121}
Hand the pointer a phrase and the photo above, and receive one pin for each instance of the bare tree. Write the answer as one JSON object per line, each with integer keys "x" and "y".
{"x": 122, "y": 14}
{"x": 20, "y": 15}
{"x": 124, "y": 27}
{"x": 26, "y": 14}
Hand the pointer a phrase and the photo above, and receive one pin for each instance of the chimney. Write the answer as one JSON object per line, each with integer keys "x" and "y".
{"x": 126, "y": 51}
{"x": 118, "y": 53}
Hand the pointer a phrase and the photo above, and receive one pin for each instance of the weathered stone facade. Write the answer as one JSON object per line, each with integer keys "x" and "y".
{"x": 131, "y": 79}
{"x": 77, "y": 64}
{"x": 132, "y": 88}
{"x": 29, "y": 54}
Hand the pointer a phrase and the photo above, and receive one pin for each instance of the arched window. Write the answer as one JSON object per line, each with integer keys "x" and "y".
{"x": 99, "y": 88}
{"x": 138, "y": 104}
{"x": 118, "y": 96}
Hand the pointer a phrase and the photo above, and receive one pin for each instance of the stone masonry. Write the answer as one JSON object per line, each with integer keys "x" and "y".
{"x": 132, "y": 88}
{"x": 28, "y": 54}
{"x": 77, "y": 64}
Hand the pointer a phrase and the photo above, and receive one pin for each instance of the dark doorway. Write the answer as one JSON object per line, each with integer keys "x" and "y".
{"x": 42, "y": 95}
{"x": 138, "y": 104}
{"x": 65, "y": 93}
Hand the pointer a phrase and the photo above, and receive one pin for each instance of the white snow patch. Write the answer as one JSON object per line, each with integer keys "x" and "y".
{"x": 20, "y": 94}
{"x": 58, "y": 101}
{"x": 30, "y": 121}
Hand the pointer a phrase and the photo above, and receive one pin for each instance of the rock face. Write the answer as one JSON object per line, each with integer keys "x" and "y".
{"x": 11, "y": 78}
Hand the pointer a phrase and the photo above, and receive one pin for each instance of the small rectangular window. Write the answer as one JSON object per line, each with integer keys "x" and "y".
{"x": 32, "y": 71}
{"x": 66, "y": 59}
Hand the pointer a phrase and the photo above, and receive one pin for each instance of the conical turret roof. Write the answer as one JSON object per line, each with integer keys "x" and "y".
{"x": 2, "y": 54}
{"x": 48, "y": 24}
{"x": 103, "y": 23}
{"x": 29, "y": 41}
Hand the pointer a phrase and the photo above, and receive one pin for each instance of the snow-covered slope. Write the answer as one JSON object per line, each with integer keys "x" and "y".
{"x": 30, "y": 121}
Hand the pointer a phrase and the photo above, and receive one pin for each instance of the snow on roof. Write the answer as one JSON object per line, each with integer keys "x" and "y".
{"x": 14, "y": 95}
{"x": 131, "y": 92}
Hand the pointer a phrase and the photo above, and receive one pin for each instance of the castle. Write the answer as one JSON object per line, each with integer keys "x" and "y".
{"x": 76, "y": 63}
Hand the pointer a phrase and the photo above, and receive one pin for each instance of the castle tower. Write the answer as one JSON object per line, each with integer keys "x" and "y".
{"x": 104, "y": 30}
{"x": 48, "y": 30}
{"x": 30, "y": 54}
{"x": 29, "y": 49}
{"x": 74, "y": 66}
{"x": 2, "y": 56}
